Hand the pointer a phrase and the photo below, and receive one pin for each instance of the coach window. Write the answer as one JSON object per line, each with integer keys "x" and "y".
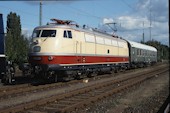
{"x": 138, "y": 52}
{"x": 67, "y": 34}
{"x": 145, "y": 53}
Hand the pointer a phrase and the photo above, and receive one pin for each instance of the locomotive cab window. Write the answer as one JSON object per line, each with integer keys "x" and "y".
{"x": 48, "y": 33}
{"x": 36, "y": 33}
{"x": 67, "y": 34}
{"x": 44, "y": 33}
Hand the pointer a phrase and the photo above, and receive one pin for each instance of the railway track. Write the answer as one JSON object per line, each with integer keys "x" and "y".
{"x": 75, "y": 99}
{"x": 27, "y": 88}
{"x": 13, "y": 91}
{"x": 17, "y": 90}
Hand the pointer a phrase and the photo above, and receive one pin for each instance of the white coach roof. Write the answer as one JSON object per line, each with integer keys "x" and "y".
{"x": 141, "y": 46}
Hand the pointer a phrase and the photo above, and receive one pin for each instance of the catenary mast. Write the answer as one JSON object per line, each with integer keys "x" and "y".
{"x": 40, "y": 14}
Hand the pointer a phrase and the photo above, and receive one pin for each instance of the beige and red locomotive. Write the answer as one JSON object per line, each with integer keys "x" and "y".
{"x": 65, "y": 50}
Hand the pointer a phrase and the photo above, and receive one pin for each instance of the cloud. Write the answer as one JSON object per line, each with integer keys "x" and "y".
{"x": 156, "y": 10}
{"x": 107, "y": 20}
{"x": 127, "y": 23}
{"x": 132, "y": 25}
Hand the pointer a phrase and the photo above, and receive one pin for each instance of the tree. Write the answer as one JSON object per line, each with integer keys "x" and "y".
{"x": 163, "y": 50}
{"x": 16, "y": 44}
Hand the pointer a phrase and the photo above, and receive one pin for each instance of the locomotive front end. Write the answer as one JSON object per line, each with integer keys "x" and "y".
{"x": 43, "y": 48}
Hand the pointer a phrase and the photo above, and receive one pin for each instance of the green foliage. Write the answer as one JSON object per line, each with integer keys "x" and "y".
{"x": 163, "y": 50}
{"x": 16, "y": 44}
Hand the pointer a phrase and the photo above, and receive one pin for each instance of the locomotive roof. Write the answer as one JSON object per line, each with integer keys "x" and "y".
{"x": 52, "y": 26}
{"x": 87, "y": 30}
{"x": 141, "y": 46}
{"x": 67, "y": 27}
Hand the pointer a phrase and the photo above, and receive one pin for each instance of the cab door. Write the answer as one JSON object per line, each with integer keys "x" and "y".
{"x": 79, "y": 46}
{"x": 78, "y": 51}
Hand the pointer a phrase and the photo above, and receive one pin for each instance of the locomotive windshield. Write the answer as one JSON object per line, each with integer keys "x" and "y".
{"x": 48, "y": 33}
{"x": 36, "y": 33}
{"x": 44, "y": 33}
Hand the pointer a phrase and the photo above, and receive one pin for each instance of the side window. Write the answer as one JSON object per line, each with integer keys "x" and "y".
{"x": 67, "y": 34}
{"x": 138, "y": 52}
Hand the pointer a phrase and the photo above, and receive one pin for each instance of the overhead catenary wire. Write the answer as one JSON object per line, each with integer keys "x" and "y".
{"x": 86, "y": 13}
{"x": 127, "y": 4}
{"x": 81, "y": 12}
{"x": 22, "y": 12}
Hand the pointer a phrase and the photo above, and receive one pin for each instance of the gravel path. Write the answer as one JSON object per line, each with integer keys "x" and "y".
{"x": 154, "y": 94}
{"x": 144, "y": 98}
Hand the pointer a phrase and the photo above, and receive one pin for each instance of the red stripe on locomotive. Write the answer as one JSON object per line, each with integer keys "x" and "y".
{"x": 75, "y": 59}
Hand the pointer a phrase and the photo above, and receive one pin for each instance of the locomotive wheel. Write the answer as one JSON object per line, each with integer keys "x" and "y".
{"x": 55, "y": 78}
{"x": 112, "y": 71}
{"x": 8, "y": 78}
{"x": 93, "y": 74}
{"x": 82, "y": 76}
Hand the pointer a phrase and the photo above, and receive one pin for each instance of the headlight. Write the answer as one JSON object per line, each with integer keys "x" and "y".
{"x": 37, "y": 49}
{"x": 50, "y": 58}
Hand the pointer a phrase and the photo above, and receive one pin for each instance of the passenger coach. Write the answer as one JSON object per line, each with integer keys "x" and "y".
{"x": 141, "y": 55}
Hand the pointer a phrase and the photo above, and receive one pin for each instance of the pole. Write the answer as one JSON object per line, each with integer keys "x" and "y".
{"x": 40, "y": 16}
{"x": 143, "y": 33}
{"x": 150, "y": 22}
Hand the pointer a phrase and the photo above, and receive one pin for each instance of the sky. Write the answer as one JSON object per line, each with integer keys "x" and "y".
{"x": 132, "y": 18}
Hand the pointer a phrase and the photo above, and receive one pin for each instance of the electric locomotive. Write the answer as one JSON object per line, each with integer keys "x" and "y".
{"x": 65, "y": 50}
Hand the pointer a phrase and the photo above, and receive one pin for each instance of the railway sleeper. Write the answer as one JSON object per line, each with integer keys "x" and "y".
{"x": 82, "y": 97}
{"x": 75, "y": 99}
{"x": 58, "y": 105}
{"x": 49, "y": 109}
{"x": 65, "y": 102}
{"x": 36, "y": 111}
